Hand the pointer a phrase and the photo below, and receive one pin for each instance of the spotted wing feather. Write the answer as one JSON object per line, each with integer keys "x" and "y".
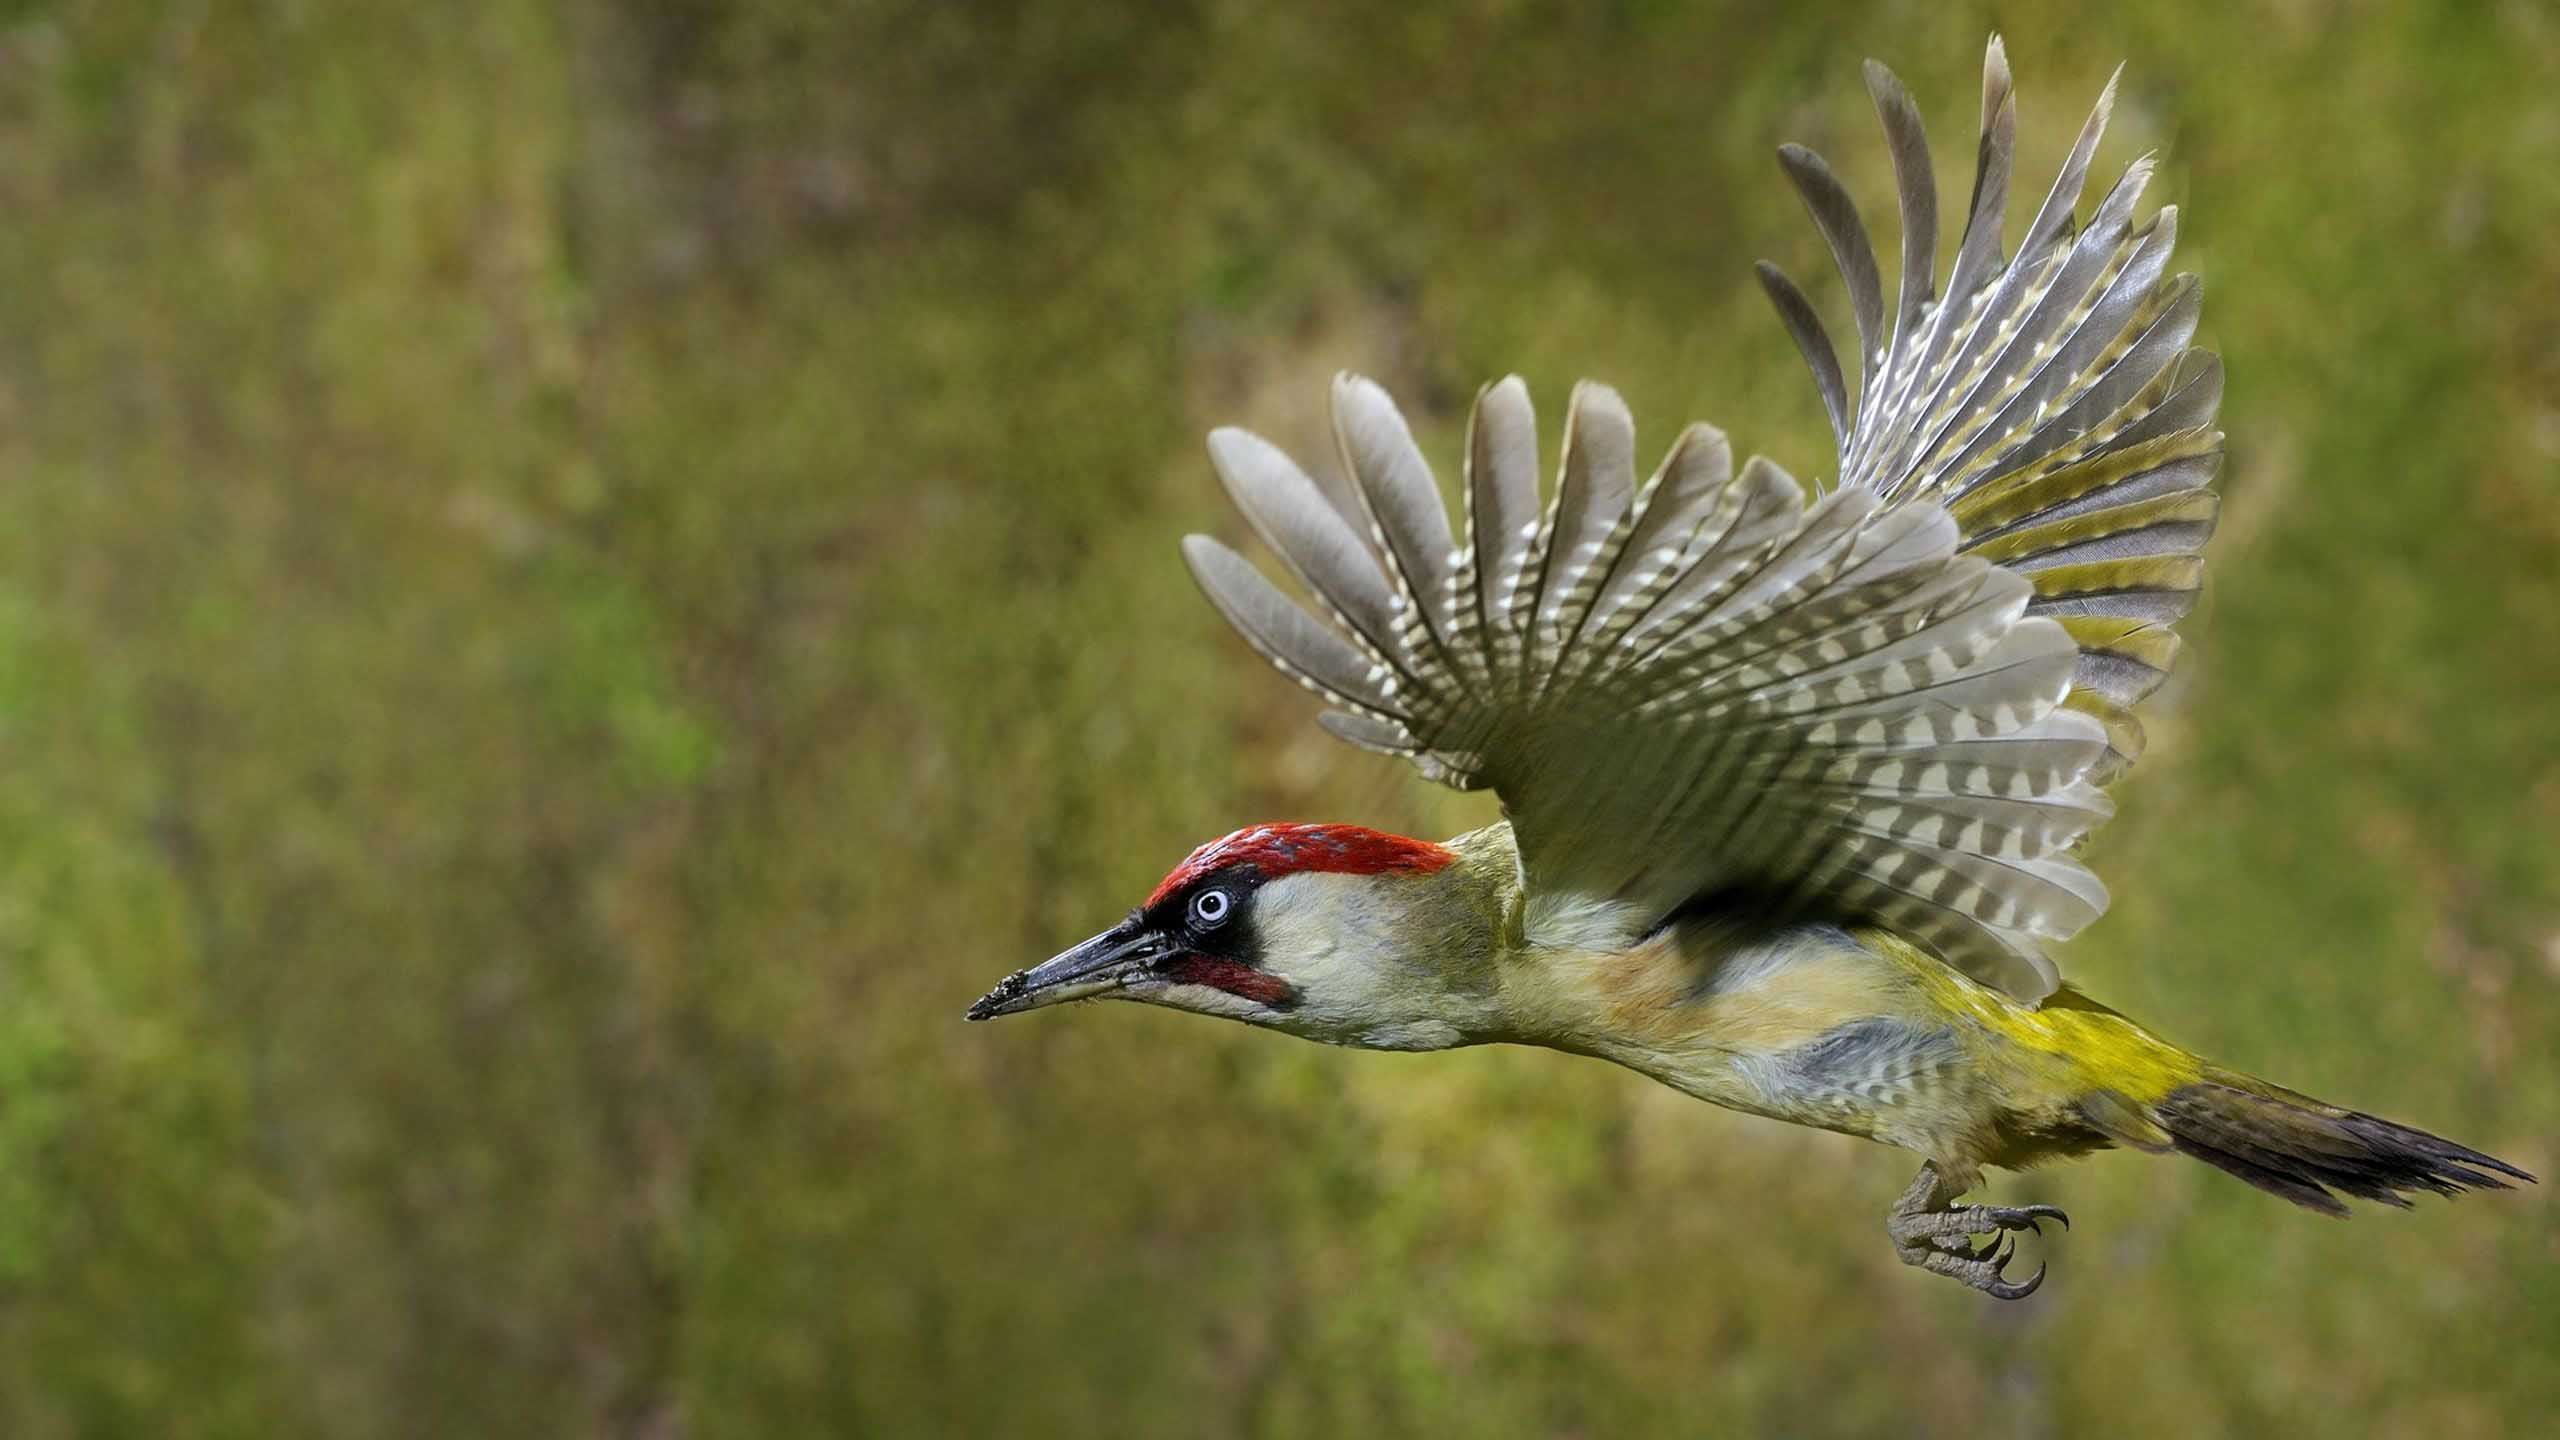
{"x": 1696, "y": 685}
{"x": 2050, "y": 402}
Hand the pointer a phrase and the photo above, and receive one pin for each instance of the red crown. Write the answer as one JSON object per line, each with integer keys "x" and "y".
{"x": 1278, "y": 850}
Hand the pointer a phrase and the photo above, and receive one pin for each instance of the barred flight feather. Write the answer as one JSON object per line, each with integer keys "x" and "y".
{"x": 1894, "y": 704}
{"x": 1693, "y": 685}
{"x": 2051, "y": 403}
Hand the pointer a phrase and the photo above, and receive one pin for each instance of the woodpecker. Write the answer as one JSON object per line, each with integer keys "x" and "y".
{"x": 1791, "y": 788}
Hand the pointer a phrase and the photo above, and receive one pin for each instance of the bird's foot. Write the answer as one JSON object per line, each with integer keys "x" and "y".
{"x": 1931, "y": 1231}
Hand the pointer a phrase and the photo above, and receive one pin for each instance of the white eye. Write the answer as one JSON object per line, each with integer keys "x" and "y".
{"x": 1209, "y": 908}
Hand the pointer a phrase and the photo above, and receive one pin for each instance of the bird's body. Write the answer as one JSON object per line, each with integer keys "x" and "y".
{"x": 1793, "y": 788}
{"x": 1847, "y": 1029}
{"x": 1851, "y": 1029}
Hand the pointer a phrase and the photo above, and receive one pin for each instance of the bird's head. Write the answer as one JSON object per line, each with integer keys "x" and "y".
{"x": 1333, "y": 932}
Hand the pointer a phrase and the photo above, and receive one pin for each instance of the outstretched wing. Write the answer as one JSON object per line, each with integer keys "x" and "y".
{"x": 1695, "y": 687}
{"x": 2050, "y": 402}
{"x": 1893, "y": 704}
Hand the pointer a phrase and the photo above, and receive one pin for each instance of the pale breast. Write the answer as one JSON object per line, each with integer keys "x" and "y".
{"x": 1798, "y": 1022}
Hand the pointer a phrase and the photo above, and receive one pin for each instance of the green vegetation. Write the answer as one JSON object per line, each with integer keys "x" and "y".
{"x": 576, "y": 579}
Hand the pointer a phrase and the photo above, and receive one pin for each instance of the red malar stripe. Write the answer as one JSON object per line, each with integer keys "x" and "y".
{"x": 1233, "y": 978}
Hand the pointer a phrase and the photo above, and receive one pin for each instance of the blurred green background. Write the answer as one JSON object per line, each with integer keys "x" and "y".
{"x": 576, "y": 579}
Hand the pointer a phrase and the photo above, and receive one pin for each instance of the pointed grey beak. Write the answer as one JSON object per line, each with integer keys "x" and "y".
{"x": 1105, "y": 963}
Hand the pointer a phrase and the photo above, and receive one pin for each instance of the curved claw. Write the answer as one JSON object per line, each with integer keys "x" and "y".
{"x": 2021, "y": 1217}
{"x": 2046, "y": 1212}
{"x": 2003, "y": 1290}
{"x": 1939, "y": 1237}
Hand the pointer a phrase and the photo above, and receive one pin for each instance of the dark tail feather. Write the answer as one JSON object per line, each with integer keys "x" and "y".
{"x": 2294, "y": 1146}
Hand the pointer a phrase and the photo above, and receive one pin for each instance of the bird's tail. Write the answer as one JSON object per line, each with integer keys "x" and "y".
{"x": 2119, "y": 1084}
{"x": 2291, "y": 1145}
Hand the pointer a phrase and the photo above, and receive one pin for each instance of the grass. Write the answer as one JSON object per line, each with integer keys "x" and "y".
{"x": 574, "y": 580}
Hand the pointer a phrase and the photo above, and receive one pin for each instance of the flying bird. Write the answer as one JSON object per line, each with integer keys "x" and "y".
{"x": 1791, "y": 787}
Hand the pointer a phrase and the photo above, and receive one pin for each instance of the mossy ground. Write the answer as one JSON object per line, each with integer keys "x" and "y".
{"x": 576, "y": 579}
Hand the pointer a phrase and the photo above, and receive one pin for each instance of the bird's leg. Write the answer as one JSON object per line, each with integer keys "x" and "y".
{"x": 1933, "y": 1232}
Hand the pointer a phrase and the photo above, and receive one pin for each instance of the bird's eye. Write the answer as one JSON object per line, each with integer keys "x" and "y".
{"x": 1210, "y": 908}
